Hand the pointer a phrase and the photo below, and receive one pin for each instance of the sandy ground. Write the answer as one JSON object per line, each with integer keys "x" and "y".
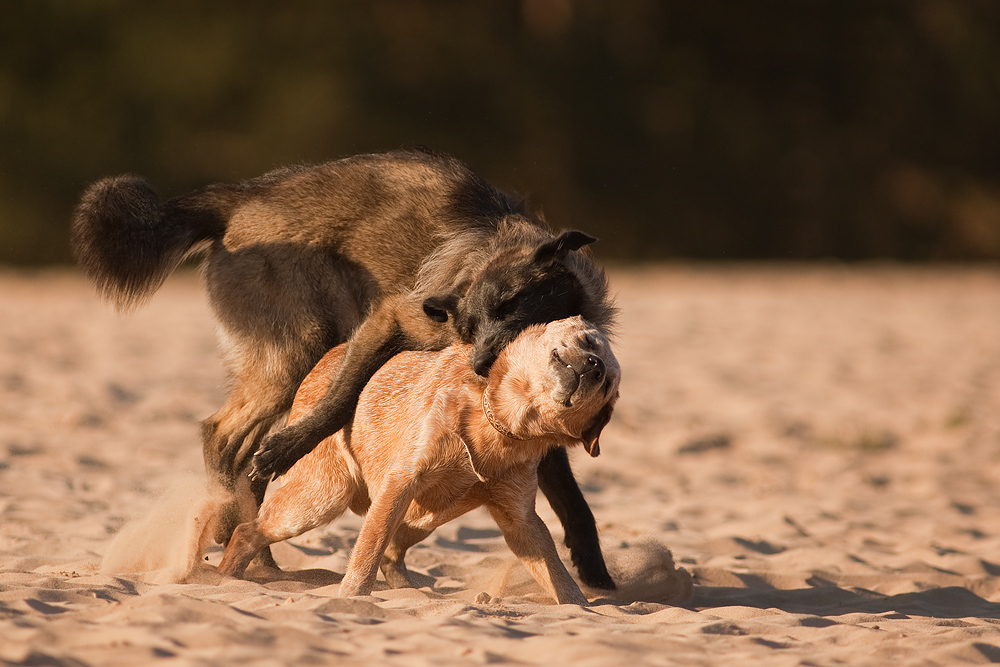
{"x": 818, "y": 446}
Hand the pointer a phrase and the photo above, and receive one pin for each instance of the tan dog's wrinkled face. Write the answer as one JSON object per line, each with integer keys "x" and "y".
{"x": 565, "y": 377}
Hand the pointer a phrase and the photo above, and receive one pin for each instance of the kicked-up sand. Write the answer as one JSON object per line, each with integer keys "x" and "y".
{"x": 818, "y": 448}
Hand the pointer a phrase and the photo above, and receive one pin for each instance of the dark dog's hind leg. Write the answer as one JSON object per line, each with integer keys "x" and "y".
{"x": 264, "y": 558}
{"x": 229, "y": 437}
{"x": 555, "y": 479}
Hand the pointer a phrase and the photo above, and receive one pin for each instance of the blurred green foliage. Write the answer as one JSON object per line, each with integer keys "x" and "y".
{"x": 791, "y": 129}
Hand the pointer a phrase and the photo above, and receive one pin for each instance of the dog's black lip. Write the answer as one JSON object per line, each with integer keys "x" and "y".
{"x": 569, "y": 397}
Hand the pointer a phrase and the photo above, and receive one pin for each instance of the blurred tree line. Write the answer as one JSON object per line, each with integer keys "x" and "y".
{"x": 775, "y": 129}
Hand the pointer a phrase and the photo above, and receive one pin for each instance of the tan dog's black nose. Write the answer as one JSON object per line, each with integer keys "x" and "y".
{"x": 596, "y": 366}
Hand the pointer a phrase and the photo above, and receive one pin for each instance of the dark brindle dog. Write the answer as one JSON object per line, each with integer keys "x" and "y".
{"x": 392, "y": 252}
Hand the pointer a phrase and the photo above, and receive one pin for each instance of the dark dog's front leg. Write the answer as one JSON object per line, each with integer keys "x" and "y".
{"x": 279, "y": 451}
{"x": 555, "y": 479}
{"x": 375, "y": 342}
{"x": 398, "y": 324}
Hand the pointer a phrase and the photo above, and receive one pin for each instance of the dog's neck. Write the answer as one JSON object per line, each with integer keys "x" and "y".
{"x": 493, "y": 448}
{"x": 494, "y": 421}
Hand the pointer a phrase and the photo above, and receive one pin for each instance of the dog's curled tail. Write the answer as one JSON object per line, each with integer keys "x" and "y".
{"x": 128, "y": 242}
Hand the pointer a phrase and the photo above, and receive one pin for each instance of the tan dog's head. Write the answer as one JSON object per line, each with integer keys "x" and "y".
{"x": 560, "y": 379}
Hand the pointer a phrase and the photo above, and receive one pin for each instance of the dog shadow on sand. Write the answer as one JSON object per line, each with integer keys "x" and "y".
{"x": 825, "y": 599}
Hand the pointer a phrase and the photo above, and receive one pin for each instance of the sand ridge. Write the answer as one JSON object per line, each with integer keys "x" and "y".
{"x": 817, "y": 446}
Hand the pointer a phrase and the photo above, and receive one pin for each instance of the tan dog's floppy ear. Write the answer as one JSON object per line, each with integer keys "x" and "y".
{"x": 592, "y": 433}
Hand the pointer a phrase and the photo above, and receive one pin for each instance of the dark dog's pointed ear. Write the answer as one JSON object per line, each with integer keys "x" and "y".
{"x": 441, "y": 306}
{"x": 592, "y": 434}
{"x": 562, "y": 244}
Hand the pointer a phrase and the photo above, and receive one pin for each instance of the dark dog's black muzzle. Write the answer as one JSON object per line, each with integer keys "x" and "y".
{"x": 483, "y": 362}
{"x": 488, "y": 346}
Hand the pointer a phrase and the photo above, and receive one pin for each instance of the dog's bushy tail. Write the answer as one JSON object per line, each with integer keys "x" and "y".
{"x": 128, "y": 242}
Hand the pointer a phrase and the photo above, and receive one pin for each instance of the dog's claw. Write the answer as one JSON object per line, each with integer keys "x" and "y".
{"x": 276, "y": 455}
{"x": 256, "y": 473}
{"x": 266, "y": 462}
{"x": 264, "y": 469}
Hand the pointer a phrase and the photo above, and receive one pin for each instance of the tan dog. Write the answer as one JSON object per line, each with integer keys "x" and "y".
{"x": 431, "y": 440}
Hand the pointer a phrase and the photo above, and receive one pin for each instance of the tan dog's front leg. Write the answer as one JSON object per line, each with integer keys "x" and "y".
{"x": 530, "y": 540}
{"x": 393, "y": 560}
{"x": 384, "y": 517}
{"x": 417, "y": 525}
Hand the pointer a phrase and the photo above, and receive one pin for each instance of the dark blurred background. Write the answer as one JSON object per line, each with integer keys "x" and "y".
{"x": 798, "y": 129}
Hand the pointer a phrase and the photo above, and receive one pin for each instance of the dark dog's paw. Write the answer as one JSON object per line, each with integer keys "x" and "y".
{"x": 277, "y": 453}
{"x": 601, "y": 581}
{"x": 591, "y": 568}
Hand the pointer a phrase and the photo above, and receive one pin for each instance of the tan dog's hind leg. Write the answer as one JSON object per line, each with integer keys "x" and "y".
{"x": 314, "y": 493}
{"x": 245, "y": 543}
{"x": 530, "y": 540}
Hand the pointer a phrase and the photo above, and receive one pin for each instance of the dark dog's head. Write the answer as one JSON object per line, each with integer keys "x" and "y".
{"x": 517, "y": 288}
